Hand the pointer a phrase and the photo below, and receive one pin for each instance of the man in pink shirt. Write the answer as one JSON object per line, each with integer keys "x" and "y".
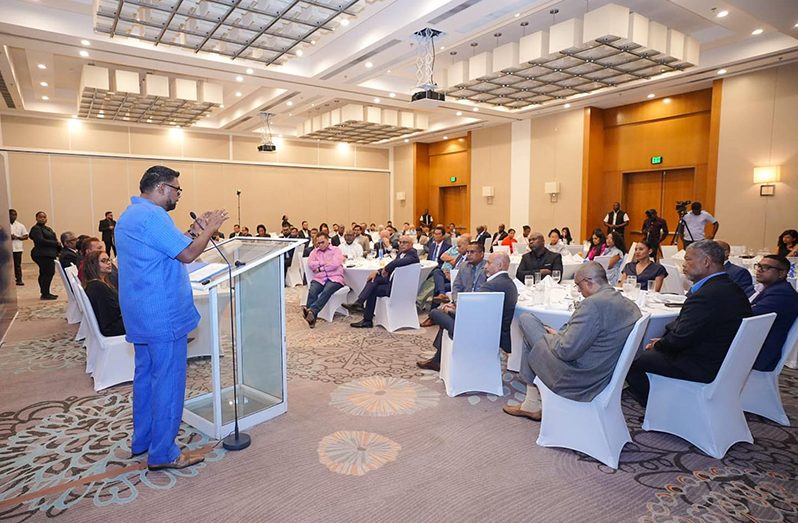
{"x": 327, "y": 264}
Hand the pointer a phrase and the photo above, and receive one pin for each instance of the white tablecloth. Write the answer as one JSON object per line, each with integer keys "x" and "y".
{"x": 356, "y": 277}
{"x": 556, "y": 318}
{"x": 569, "y": 266}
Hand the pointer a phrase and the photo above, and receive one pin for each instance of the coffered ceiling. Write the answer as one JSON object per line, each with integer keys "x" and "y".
{"x": 301, "y": 59}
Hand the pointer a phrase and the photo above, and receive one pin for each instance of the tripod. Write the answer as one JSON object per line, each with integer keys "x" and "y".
{"x": 679, "y": 232}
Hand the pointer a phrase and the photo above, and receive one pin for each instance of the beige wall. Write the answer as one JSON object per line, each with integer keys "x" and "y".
{"x": 755, "y": 107}
{"x": 403, "y": 182}
{"x": 75, "y": 189}
{"x": 557, "y": 142}
{"x": 490, "y": 166}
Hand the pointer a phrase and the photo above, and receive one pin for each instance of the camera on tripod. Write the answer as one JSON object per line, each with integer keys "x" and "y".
{"x": 681, "y": 206}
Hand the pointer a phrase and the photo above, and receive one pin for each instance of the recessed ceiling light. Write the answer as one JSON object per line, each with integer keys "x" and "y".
{"x": 85, "y": 42}
{"x": 45, "y": 98}
{"x": 290, "y": 114}
{"x": 369, "y": 65}
{"x": 250, "y": 70}
{"x": 666, "y": 100}
{"x": 377, "y": 100}
{"x": 392, "y": 95}
{"x": 406, "y": 140}
{"x": 101, "y": 111}
{"x": 650, "y": 96}
{"x": 344, "y": 22}
{"x": 289, "y": 103}
{"x": 722, "y": 14}
{"x": 721, "y": 71}
{"x": 239, "y": 78}
{"x": 238, "y": 94}
{"x": 757, "y": 31}
{"x": 313, "y": 42}
{"x": 43, "y": 84}
{"x": 299, "y": 52}
{"x": 443, "y": 48}
{"x": 388, "y": 71}
{"x": 445, "y": 137}
{"x": 74, "y": 116}
{"x": 41, "y": 66}
{"x": 221, "y": 106}
{"x": 100, "y": 116}
{"x": 84, "y": 54}
{"x": 516, "y": 15}
{"x": 149, "y": 120}
{"x": 459, "y": 113}
{"x": 475, "y": 109}
{"x": 566, "y": 106}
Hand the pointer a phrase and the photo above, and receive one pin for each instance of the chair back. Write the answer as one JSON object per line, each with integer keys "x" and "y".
{"x": 629, "y": 254}
{"x": 453, "y": 275}
{"x": 789, "y": 345}
{"x": 309, "y": 274}
{"x": 604, "y": 261}
{"x": 404, "y": 284}
{"x": 615, "y": 386}
{"x": 478, "y": 324}
{"x": 674, "y": 281}
{"x": 574, "y": 249}
{"x": 64, "y": 280}
{"x": 88, "y": 313}
{"x": 740, "y": 359}
{"x": 737, "y": 250}
{"x": 669, "y": 250}
{"x": 487, "y": 244}
{"x": 74, "y": 284}
{"x": 522, "y": 247}
{"x": 502, "y": 248}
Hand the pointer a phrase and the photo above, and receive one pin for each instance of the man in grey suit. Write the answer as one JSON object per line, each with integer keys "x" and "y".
{"x": 498, "y": 280}
{"x": 577, "y": 361}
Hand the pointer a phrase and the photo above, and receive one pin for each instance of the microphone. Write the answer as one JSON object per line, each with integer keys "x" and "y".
{"x": 236, "y": 441}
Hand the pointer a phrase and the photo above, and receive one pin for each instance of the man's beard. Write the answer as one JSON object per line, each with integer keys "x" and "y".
{"x": 170, "y": 205}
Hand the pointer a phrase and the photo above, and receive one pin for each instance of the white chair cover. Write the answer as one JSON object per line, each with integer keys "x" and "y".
{"x": 675, "y": 282}
{"x": 487, "y": 245}
{"x": 604, "y": 261}
{"x": 399, "y": 309}
{"x": 336, "y": 301}
{"x": 737, "y": 250}
{"x": 710, "y": 415}
{"x": 502, "y": 248}
{"x": 522, "y": 247}
{"x": 294, "y": 275}
{"x": 629, "y": 254}
{"x": 73, "y": 312}
{"x": 761, "y": 391}
{"x": 574, "y": 249}
{"x": 598, "y": 427}
{"x": 471, "y": 361}
{"x": 668, "y": 251}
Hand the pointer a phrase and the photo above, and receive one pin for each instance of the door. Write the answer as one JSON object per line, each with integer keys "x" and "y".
{"x": 658, "y": 190}
{"x": 453, "y": 206}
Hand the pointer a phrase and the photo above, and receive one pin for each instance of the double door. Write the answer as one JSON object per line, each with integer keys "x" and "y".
{"x": 659, "y": 190}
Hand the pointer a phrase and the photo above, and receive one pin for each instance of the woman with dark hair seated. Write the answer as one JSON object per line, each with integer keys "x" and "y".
{"x": 788, "y": 244}
{"x": 565, "y": 234}
{"x": 598, "y": 244}
{"x": 644, "y": 268}
{"x": 103, "y": 296}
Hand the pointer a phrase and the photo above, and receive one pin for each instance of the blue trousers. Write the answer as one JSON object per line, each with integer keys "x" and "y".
{"x": 319, "y": 295}
{"x": 440, "y": 281}
{"x": 159, "y": 386}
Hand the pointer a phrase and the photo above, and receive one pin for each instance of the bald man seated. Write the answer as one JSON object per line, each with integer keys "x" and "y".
{"x": 577, "y": 361}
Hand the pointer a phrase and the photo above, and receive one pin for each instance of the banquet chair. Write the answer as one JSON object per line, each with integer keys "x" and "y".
{"x": 83, "y": 330}
{"x": 488, "y": 242}
{"x": 502, "y": 248}
{"x": 761, "y": 391}
{"x": 709, "y": 415}
{"x": 737, "y": 250}
{"x": 294, "y": 275}
{"x": 598, "y": 427}
{"x": 668, "y": 251}
{"x": 73, "y": 312}
{"x": 399, "y": 309}
{"x": 604, "y": 261}
{"x": 522, "y": 247}
{"x": 113, "y": 357}
{"x": 629, "y": 255}
{"x": 675, "y": 282}
{"x": 336, "y": 301}
{"x": 471, "y": 361}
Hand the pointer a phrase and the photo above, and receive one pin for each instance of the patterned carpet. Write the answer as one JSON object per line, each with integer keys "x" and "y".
{"x": 368, "y": 436}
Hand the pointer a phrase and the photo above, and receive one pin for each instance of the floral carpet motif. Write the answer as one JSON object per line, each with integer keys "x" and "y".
{"x": 76, "y": 443}
{"x": 46, "y": 311}
{"x": 379, "y": 396}
{"x": 57, "y": 351}
{"x": 355, "y": 453}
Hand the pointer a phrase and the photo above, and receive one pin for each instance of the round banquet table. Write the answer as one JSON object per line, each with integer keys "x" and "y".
{"x": 356, "y": 277}
{"x": 555, "y": 316}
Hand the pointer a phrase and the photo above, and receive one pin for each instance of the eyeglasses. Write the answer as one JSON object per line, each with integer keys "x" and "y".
{"x": 580, "y": 282}
{"x": 178, "y": 189}
{"x": 761, "y": 267}
{"x": 471, "y": 252}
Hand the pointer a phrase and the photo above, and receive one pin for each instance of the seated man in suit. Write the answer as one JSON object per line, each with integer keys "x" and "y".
{"x": 738, "y": 275}
{"x": 577, "y": 361}
{"x": 482, "y": 234}
{"x": 379, "y": 284}
{"x": 776, "y": 296}
{"x": 695, "y": 344}
{"x": 69, "y": 254}
{"x": 436, "y": 248}
{"x": 538, "y": 259}
{"x": 498, "y": 280}
{"x": 470, "y": 266}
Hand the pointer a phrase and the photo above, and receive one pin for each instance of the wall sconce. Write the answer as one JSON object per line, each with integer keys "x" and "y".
{"x": 400, "y": 196}
{"x": 553, "y": 190}
{"x": 487, "y": 192}
{"x": 765, "y": 176}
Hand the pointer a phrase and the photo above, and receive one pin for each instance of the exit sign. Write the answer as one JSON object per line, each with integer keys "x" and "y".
{"x": 453, "y": 179}
{"x": 656, "y": 160}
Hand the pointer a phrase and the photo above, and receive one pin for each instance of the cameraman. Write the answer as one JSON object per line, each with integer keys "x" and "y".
{"x": 654, "y": 229}
{"x": 695, "y": 222}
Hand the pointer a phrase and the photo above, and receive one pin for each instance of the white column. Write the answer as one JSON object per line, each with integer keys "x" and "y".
{"x": 391, "y": 188}
{"x": 520, "y": 173}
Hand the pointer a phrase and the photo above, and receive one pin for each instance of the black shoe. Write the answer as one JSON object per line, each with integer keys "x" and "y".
{"x": 362, "y": 324}
{"x": 354, "y": 307}
{"x": 305, "y": 312}
{"x": 311, "y": 318}
{"x": 20, "y": 283}
{"x": 429, "y": 365}
{"x": 49, "y": 297}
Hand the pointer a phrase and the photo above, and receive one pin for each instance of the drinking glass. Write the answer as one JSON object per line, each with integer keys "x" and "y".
{"x": 555, "y": 275}
{"x": 631, "y": 279}
{"x": 634, "y": 291}
{"x": 529, "y": 281}
{"x": 652, "y": 286}
{"x": 538, "y": 277}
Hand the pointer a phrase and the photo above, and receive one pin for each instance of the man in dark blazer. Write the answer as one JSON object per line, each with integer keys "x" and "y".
{"x": 498, "y": 281}
{"x": 436, "y": 248}
{"x": 482, "y": 234}
{"x": 738, "y": 275}
{"x": 498, "y": 236}
{"x": 69, "y": 254}
{"x": 538, "y": 259}
{"x": 777, "y": 296}
{"x": 379, "y": 284}
{"x": 695, "y": 344}
{"x": 107, "y": 230}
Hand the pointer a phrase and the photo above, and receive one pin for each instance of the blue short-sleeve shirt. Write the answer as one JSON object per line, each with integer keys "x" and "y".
{"x": 154, "y": 289}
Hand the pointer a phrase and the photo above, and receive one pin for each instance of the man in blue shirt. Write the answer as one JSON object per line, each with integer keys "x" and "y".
{"x": 158, "y": 310}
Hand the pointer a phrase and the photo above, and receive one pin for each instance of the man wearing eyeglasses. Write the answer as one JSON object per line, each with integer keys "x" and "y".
{"x": 577, "y": 361}
{"x": 158, "y": 310}
{"x": 777, "y": 295}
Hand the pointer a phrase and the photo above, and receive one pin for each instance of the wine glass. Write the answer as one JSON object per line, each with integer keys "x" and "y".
{"x": 556, "y": 276}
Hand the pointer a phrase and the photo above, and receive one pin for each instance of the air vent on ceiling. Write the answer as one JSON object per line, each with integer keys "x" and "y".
{"x": 360, "y": 59}
{"x": 453, "y": 11}
{"x": 6, "y": 95}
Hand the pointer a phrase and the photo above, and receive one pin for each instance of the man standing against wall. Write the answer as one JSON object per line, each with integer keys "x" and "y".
{"x": 616, "y": 220}
{"x": 158, "y": 310}
{"x": 107, "y": 229}
{"x": 19, "y": 233}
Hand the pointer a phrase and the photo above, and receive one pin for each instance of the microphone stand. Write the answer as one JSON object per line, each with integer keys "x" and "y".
{"x": 237, "y": 440}
{"x": 238, "y": 198}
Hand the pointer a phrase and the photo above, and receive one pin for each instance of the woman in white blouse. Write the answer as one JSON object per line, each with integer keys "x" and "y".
{"x": 616, "y": 249}
{"x": 555, "y": 242}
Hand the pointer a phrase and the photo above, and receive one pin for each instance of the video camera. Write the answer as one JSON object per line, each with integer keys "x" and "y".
{"x": 681, "y": 206}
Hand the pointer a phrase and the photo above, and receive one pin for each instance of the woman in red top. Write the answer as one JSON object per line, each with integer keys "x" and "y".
{"x": 509, "y": 240}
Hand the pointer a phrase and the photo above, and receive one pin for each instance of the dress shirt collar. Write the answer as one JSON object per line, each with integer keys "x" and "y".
{"x": 700, "y": 283}
{"x": 498, "y": 273}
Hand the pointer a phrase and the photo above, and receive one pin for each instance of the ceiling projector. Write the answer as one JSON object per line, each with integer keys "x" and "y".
{"x": 428, "y": 98}
{"x": 267, "y": 148}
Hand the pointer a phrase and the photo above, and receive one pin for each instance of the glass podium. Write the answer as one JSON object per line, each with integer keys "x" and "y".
{"x": 257, "y": 307}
